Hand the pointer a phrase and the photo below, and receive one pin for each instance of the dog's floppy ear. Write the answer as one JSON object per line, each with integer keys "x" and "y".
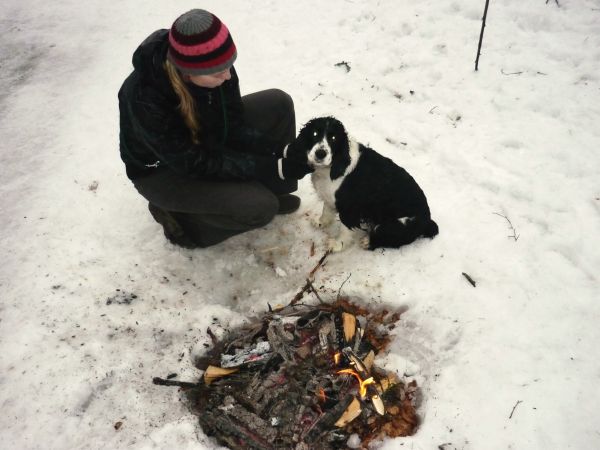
{"x": 341, "y": 160}
{"x": 341, "y": 149}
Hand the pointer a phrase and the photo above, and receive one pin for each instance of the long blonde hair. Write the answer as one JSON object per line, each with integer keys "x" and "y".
{"x": 187, "y": 105}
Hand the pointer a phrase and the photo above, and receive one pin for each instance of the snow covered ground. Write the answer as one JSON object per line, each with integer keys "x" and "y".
{"x": 94, "y": 302}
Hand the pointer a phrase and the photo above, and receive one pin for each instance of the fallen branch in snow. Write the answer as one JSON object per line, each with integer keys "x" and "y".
{"x": 514, "y": 407}
{"x": 487, "y": 2}
{"x": 510, "y": 73}
{"x": 308, "y": 286}
{"x": 344, "y": 64}
{"x": 515, "y": 236}
{"x": 182, "y": 384}
{"x": 341, "y": 286}
{"x": 469, "y": 279}
{"x": 213, "y": 338}
{"x": 314, "y": 291}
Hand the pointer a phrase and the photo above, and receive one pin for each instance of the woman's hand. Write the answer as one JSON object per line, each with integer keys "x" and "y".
{"x": 293, "y": 169}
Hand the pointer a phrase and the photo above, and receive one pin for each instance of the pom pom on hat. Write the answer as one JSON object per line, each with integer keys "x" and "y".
{"x": 200, "y": 44}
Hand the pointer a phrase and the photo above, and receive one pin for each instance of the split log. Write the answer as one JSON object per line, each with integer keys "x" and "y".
{"x": 349, "y": 324}
{"x": 213, "y": 373}
{"x": 351, "y": 413}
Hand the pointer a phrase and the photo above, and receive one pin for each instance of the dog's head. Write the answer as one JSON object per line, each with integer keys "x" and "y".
{"x": 324, "y": 143}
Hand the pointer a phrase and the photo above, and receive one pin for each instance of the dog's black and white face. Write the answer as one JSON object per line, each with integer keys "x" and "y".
{"x": 326, "y": 144}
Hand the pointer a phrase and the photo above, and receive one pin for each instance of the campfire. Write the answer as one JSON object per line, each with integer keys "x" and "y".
{"x": 303, "y": 377}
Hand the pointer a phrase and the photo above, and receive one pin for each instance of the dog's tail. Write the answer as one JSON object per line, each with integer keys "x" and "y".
{"x": 395, "y": 234}
{"x": 430, "y": 229}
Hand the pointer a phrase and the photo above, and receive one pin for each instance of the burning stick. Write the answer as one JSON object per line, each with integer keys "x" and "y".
{"x": 367, "y": 388}
{"x": 328, "y": 419}
{"x": 362, "y": 383}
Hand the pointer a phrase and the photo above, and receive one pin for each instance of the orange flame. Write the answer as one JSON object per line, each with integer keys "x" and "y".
{"x": 336, "y": 358}
{"x": 322, "y": 396}
{"x": 362, "y": 384}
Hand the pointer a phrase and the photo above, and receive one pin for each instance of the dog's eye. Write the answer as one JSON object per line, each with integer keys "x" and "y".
{"x": 333, "y": 138}
{"x": 315, "y": 134}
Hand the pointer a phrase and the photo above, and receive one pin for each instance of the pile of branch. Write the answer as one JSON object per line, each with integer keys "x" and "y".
{"x": 303, "y": 377}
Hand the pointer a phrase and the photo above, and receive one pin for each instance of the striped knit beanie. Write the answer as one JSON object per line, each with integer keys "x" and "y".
{"x": 200, "y": 44}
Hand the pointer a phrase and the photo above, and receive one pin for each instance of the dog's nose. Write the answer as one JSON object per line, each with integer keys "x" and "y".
{"x": 320, "y": 154}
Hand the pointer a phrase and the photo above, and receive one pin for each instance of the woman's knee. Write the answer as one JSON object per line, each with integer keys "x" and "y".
{"x": 283, "y": 100}
{"x": 286, "y": 115}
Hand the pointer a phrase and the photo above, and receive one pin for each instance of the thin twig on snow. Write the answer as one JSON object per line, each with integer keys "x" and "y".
{"x": 469, "y": 279}
{"x": 487, "y": 2}
{"x": 515, "y": 236}
{"x": 514, "y": 407}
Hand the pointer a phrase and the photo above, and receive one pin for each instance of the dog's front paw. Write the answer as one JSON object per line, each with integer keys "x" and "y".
{"x": 365, "y": 243}
{"x": 335, "y": 245}
{"x": 326, "y": 218}
{"x": 315, "y": 222}
{"x": 321, "y": 223}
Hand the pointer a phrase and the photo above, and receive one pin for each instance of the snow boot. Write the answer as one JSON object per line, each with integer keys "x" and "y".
{"x": 172, "y": 228}
{"x": 288, "y": 203}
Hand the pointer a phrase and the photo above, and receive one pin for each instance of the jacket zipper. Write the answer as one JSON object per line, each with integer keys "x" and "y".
{"x": 225, "y": 130}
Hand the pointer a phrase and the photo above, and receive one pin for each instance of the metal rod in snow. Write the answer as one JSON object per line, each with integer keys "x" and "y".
{"x": 487, "y": 2}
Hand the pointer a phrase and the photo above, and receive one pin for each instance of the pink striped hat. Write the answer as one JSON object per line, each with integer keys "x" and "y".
{"x": 200, "y": 44}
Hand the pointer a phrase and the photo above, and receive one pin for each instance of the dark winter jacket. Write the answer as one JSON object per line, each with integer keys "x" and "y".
{"x": 153, "y": 133}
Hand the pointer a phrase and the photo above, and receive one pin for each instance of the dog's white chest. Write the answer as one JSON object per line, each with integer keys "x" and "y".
{"x": 325, "y": 186}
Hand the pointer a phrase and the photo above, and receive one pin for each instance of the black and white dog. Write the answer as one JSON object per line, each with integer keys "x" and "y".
{"x": 369, "y": 191}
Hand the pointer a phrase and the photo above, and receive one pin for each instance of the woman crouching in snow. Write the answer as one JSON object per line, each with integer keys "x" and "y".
{"x": 208, "y": 161}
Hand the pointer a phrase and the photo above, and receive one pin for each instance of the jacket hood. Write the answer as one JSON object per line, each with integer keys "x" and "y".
{"x": 150, "y": 56}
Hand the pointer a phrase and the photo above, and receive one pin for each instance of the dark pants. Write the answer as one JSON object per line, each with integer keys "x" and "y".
{"x": 211, "y": 211}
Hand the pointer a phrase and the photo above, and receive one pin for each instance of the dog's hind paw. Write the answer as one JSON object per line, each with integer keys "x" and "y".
{"x": 365, "y": 243}
{"x": 335, "y": 245}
